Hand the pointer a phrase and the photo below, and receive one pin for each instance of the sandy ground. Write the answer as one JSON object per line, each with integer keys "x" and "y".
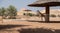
{"x": 31, "y": 24}
{"x": 28, "y": 25}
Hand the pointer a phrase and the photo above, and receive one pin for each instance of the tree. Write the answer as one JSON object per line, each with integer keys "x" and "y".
{"x": 2, "y": 12}
{"x": 12, "y": 12}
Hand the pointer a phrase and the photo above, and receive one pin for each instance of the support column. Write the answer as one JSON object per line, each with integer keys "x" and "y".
{"x": 47, "y": 14}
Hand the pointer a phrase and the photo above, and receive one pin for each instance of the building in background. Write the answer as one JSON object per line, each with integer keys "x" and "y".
{"x": 23, "y": 12}
{"x": 54, "y": 14}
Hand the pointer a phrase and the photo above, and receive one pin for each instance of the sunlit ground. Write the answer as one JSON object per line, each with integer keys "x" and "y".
{"x": 15, "y": 25}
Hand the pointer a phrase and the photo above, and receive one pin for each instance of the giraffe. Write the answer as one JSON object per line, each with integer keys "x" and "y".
{"x": 41, "y": 15}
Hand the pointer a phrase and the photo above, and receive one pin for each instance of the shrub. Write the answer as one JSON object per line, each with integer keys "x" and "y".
{"x": 30, "y": 14}
{"x": 52, "y": 15}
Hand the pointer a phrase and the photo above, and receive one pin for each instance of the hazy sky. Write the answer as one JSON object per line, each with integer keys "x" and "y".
{"x": 20, "y": 4}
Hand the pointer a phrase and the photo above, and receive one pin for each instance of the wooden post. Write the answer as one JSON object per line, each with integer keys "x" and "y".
{"x": 47, "y": 14}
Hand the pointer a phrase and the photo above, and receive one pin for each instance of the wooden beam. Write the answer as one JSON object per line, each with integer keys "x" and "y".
{"x": 47, "y": 14}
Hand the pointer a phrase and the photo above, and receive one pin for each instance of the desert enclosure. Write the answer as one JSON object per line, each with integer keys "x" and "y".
{"x": 16, "y": 25}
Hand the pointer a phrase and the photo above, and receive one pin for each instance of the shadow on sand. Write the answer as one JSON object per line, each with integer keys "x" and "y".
{"x": 39, "y": 30}
{"x": 10, "y": 26}
{"x": 44, "y": 21}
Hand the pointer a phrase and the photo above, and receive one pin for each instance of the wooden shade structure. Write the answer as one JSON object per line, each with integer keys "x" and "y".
{"x": 47, "y": 4}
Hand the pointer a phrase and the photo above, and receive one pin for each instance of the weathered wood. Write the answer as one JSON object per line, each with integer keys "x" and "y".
{"x": 44, "y": 3}
{"x": 41, "y": 15}
{"x": 47, "y": 14}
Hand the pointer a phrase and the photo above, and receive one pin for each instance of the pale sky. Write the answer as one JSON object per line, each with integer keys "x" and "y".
{"x": 21, "y": 4}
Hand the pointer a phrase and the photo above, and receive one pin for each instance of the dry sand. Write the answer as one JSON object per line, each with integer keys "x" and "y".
{"x": 28, "y": 25}
{"x": 32, "y": 24}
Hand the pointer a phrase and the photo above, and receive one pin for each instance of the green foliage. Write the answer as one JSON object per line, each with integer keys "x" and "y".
{"x": 10, "y": 11}
{"x": 2, "y": 12}
{"x": 52, "y": 15}
{"x": 30, "y": 14}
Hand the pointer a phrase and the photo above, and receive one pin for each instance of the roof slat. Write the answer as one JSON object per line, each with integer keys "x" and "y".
{"x": 44, "y": 3}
